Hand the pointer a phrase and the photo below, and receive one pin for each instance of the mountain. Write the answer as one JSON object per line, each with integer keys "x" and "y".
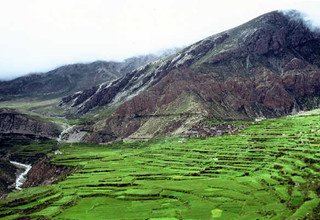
{"x": 267, "y": 67}
{"x": 69, "y": 79}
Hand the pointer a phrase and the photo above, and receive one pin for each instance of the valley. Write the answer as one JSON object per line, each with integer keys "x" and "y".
{"x": 225, "y": 128}
{"x": 269, "y": 170}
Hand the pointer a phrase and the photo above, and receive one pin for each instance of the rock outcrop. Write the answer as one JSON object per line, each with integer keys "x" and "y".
{"x": 267, "y": 67}
{"x": 20, "y": 127}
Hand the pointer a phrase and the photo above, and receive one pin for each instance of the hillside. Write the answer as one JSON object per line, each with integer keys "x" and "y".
{"x": 69, "y": 79}
{"x": 16, "y": 127}
{"x": 270, "y": 170}
{"x": 267, "y": 67}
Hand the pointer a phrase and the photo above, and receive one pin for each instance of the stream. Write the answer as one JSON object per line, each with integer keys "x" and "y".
{"x": 21, "y": 178}
{"x": 71, "y": 134}
{"x": 64, "y": 132}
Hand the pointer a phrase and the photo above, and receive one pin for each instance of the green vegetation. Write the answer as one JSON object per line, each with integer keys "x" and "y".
{"x": 41, "y": 107}
{"x": 43, "y": 110}
{"x": 270, "y": 170}
{"x": 98, "y": 114}
{"x": 30, "y": 152}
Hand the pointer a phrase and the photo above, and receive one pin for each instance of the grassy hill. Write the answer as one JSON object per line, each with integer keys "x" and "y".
{"x": 270, "y": 170}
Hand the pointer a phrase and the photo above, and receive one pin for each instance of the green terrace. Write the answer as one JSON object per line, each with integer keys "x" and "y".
{"x": 270, "y": 170}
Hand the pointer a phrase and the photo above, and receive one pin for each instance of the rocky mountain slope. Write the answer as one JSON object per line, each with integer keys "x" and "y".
{"x": 16, "y": 127}
{"x": 267, "y": 67}
{"x": 69, "y": 79}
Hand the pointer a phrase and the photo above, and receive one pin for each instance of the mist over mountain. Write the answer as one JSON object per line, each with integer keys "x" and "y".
{"x": 43, "y": 35}
{"x": 71, "y": 78}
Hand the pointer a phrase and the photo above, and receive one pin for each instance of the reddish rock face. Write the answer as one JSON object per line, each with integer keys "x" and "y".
{"x": 44, "y": 173}
{"x": 267, "y": 67}
{"x": 277, "y": 98}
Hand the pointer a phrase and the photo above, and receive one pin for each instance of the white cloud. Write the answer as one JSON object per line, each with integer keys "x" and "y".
{"x": 38, "y": 35}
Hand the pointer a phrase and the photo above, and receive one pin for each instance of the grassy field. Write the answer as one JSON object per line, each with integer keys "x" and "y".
{"x": 41, "y": 107}
{"x": 270, "y": 170}
{"x": 49, "y": 110}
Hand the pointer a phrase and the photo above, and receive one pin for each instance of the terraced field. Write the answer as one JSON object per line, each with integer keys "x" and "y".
{"x": 270, "y": 170}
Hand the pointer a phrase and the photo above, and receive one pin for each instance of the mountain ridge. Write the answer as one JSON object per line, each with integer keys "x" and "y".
{"x": 68, "y": 79}
{"x": 202, "y": 47}
{"x": 267, "y": 67}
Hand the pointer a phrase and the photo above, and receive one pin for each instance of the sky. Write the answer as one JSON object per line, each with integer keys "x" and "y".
{"x": 39, "y": 35}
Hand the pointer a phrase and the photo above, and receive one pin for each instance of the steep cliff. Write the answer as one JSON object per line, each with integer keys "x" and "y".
{"x": 15, "y": 126}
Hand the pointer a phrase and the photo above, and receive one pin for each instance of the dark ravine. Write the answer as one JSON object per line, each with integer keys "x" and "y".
{"x": 7, "y": 176}
{"x": 267, "y": 67}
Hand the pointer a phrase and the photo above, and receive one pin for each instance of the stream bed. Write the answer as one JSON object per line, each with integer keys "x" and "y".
{"x": 21, "y": 177}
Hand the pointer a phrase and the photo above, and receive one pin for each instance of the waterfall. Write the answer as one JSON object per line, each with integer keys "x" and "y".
{"x": 65, "y": 131}
{"x": 21, "y": 178}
